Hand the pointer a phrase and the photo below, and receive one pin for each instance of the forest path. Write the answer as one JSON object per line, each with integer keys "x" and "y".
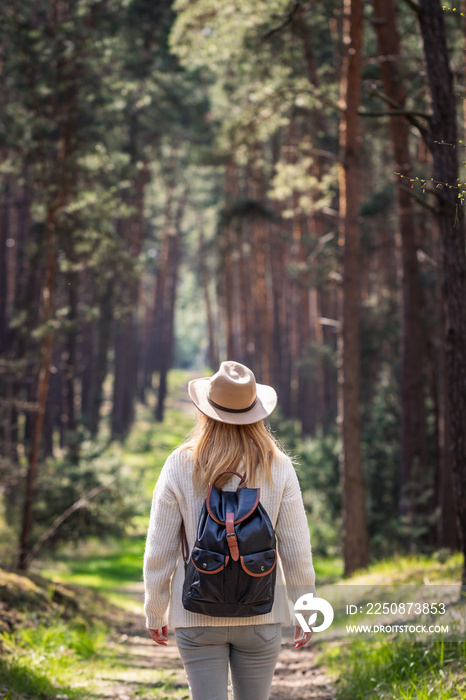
{"x": 147, "y": 671}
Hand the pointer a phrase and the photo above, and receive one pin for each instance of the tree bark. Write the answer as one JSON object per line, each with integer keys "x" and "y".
{"x": 167, "y": 335}
{"x": 69, "y": 392}
{"x": 228, "y": 282}
{"x": 305, "y": 409}
{"x": 450, "y": 219}
{"x": 212, "y": 348}
{"x": 99, "y": 358}
{"x": 447, "y": 530}
{"x": 355, "y": 535}
{"x": 4, "y": 272}
{"x": 414, "y": 461}
{"x": 46, "y": 315}
{"x": 125, "y": 385}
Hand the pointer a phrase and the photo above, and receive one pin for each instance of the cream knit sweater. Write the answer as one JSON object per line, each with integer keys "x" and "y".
{"x": 175, "y": 499}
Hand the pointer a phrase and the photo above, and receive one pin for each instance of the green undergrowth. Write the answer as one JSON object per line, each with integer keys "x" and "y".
{"x": 328, "y": 569}
{"x": 112, "y": 568}
{"x": 46, "y": 661}
{"x": 49, "y": 635}
{"x": 395, "y": 667}
{"x": 149, "y": 443}
{"x": 441, "y": 567}
{"x": 398, "y": 669}
{"x": 65, "y": 661}
{"x": 66, "y": 642}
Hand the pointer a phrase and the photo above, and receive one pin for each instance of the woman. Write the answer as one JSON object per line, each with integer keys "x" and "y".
{"x": 230, "y": 434}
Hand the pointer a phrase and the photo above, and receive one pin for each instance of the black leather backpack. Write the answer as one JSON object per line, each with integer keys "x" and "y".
{"x": 231, "y": 571}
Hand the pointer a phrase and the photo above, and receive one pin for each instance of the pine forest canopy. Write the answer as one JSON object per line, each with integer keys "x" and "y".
{"x": 279, "y": 183}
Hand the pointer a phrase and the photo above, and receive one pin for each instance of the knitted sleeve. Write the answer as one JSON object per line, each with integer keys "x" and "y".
{"x": 293, "y": 539}
{"x": 162, "y": 548}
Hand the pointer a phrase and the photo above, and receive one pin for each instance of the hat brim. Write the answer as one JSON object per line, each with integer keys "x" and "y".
{"x": 265, "y": 403}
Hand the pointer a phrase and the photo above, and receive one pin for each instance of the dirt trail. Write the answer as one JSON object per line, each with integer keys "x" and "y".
{"x": 145, "y": 667}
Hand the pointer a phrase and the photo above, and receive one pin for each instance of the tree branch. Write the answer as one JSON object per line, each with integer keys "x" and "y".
{"x": 413, "y": 5}
{"x": 420, "y": 200}
{"x": 288, "y": 19}
{"x": 77, "y": 505}
{"x": 394, "y": 113}
{"x": 385, "y": 98}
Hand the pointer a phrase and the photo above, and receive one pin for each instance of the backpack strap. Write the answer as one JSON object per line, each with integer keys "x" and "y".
{"x": 230, "y": 471}
{"x": 231, "y": 536}
{"x": 184, "y": 544}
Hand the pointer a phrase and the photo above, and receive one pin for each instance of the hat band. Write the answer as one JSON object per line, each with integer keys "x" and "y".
{"x": 231, "y": 410}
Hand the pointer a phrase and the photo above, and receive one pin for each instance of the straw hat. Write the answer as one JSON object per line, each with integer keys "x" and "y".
{"x": 232, "y": 395}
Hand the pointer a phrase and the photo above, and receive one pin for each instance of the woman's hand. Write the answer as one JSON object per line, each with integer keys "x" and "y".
{"x": 301, "y": 638}
{"x": 160, "y": 637}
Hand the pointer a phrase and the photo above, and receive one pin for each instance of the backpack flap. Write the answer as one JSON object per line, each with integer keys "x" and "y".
{"x": 242, "y": 503}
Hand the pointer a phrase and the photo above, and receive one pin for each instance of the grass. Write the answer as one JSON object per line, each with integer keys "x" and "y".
{"x": 105, "y": 566}
{"x": 395, "y": 667}
{"x": 40, "y": 662}
{"x": 442, "y": 567}
{"x": 111, "y": 573}
{"x": 62, "y": 660}
{"x": 401, "y": 669}
{"x": 62, "y": 642}
{"x": 328, "y": 570}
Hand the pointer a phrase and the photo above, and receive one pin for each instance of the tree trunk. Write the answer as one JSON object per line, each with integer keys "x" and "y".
{"x": 26, "y": 296}
{"x": 450, "y": 220}
{"x": 4, "y": 272}
{"x": 306, "y": 405}
{"x": 99, "y": 359}
{"x": 355, "y": 535}
{"x": 212, "y": 348}
{"x": 160, "y": 289}
{"x": 280, "y": 357}
{"x": 414, "y": 465}
{"x": 46, "y": 314}
{"x": 69, "y": 393}
{"x": 228, "y": 281}
{"x": 247, "y": 299}
{"x": 50, "y": 418}
{"x": 123, "y": 369}
{"x": 447, "y": 531}
{"x": 168, "y": 320}
{"x": 125, "y": 385}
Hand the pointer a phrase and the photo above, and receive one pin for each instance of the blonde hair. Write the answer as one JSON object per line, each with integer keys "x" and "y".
{"x": 219, "y": 446}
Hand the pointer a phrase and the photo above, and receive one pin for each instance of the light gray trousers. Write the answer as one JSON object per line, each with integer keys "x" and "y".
{"x": 251, "y": 652}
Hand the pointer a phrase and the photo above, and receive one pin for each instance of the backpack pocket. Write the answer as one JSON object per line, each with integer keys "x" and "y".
{"x": 204, "y": 578}
{"x": 260, "y": 563}
{"x": 208, "y": 562}
{"x": 256, "y": 578}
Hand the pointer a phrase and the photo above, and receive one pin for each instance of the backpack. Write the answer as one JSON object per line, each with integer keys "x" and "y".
{"x": 232, "y": 568}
